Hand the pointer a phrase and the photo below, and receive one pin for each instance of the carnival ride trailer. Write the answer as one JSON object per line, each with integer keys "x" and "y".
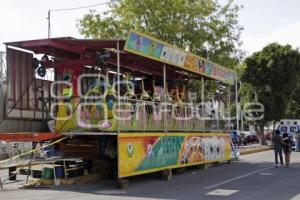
{"x": 131, "y": 94}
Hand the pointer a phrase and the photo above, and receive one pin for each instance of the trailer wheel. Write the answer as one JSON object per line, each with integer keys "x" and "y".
{"x": 204, "y": 166}
{"x": 122, "y": 183}
{"x": 179, "y": 170}
{"x": 167, "y": 175}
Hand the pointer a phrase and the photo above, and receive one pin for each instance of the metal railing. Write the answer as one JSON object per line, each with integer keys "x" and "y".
{"x": 137, "y": 115}
{"x": 142, "y": 116}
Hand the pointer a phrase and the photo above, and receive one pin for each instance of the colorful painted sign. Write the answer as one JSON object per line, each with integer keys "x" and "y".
{"x": 152, "y": 48}
{"x": 143, "y": 153}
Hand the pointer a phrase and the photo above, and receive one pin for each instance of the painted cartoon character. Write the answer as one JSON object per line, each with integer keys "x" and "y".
{"x": 208, "y": 68}
{"x": 201, "y": 66}
{"x": 149, "y": 150}
{"x": 214, "y": 148}
{"x": 138, "y": 42}
{"x": 192, "y": 151}
{"x": 152, "y": 48}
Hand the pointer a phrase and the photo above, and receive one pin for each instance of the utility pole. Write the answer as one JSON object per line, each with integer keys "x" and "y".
{"x": 237, "y": 105}
{"x": 242, "y": 113}
{"x": 1, "y": 65}
{"x": 49, "y": 24}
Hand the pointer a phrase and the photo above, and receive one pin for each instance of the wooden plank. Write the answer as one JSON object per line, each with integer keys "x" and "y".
{"x": 29, "y": 136}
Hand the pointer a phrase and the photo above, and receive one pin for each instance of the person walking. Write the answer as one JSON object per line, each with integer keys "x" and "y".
{"x": 297, "y": 142}
{"x": 287, "y": 148}
{"x": 277, "y": 145}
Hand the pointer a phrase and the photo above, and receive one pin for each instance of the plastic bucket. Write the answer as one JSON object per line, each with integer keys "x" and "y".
{"x": 75, "y": 172}
{"x": 47, "y": 173}
{"x": 59, "y": 171}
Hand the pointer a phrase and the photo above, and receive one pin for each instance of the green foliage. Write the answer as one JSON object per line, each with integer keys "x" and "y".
{"x": 293, "y": 111}
{"x": 195, "y": 86}
{"x": 272, "y": 76}
{"x": 204, "y": 27}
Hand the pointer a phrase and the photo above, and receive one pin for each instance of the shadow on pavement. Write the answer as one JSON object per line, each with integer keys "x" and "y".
{"x": 252, "y": 177}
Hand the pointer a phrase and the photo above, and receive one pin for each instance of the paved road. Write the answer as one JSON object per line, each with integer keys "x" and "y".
{"x": 253, "y": 177}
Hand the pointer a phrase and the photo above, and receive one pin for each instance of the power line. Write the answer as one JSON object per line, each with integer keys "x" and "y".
{"x": 68, "y": 9}
{"x": 81, "y": 7}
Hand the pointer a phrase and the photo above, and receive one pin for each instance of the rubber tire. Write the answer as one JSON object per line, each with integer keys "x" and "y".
{"x": 122, "y": 183}
{"x": 179, "y": 170}
{"x": 167, "y": 175}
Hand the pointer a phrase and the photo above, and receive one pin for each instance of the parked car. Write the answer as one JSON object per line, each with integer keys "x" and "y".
{"x": 238, "y": 138}
{"x": 252, "y": 138}
{"x": 268, "y": 136}
{"x": 242, "y": 139}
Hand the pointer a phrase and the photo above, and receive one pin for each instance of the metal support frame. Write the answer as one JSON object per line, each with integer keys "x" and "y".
{"x": 165, "y": 97}
{"x": 1, "y": 184}
{"x": 237, "y": 106}
{"x": 241, "y": 113}
{"x": 202, "y": 102}
{"x": 3, "y": 85}
{"x": 49, "y": 24}
{"x": 30, "y": 162}
{"x": 185, "y": 121}
{"x": 218, "y": 110}
{"x": 118, "y": 72}
{"x": 1, "y": 66}
{"x": 229, "y": 107}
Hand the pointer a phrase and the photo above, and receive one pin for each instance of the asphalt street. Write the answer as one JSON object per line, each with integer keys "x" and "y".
{"x": 253, "y": 177}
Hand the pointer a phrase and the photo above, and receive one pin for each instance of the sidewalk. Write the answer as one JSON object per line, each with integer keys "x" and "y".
{"x": 11, "y": 185}
{"x": 253, "y": 148}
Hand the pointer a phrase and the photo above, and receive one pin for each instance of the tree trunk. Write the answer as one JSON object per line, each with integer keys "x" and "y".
{"x": 259, "y": 129}
{"x": 274, "y": 124}
{"x": 262, "y": 135}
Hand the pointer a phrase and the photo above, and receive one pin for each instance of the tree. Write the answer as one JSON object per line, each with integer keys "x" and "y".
{"x": 272, "y": 75}
{"x": 293, "y": 111}
{"x": 204, "y": 27}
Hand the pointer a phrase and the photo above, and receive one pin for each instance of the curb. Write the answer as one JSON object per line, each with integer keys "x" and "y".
{"x": 261, "y": 149}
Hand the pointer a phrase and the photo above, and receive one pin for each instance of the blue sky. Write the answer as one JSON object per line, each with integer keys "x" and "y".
{"x": 264, "y": 21}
